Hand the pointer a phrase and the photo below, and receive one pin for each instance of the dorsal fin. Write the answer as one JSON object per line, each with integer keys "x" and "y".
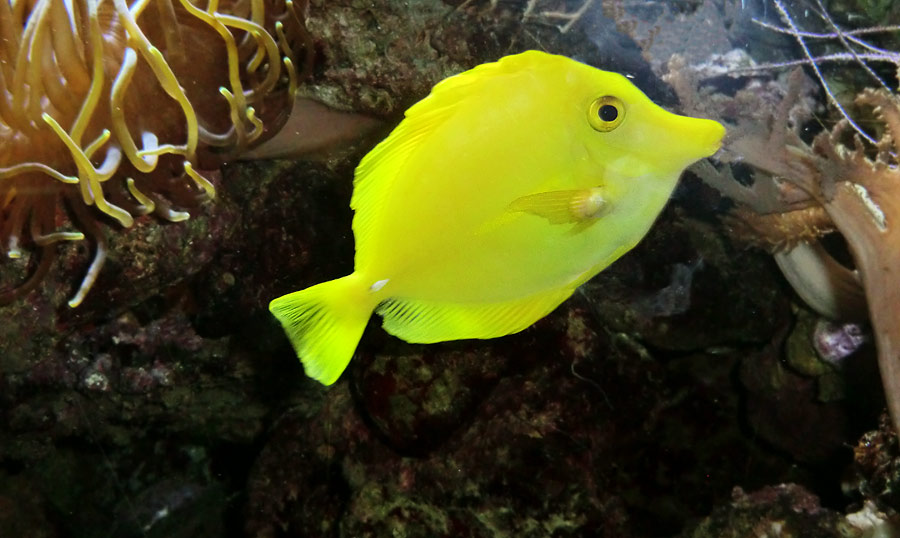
{"x": 380, "y": 167}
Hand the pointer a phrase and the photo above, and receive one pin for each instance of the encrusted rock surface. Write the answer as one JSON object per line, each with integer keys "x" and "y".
{"x": 171, "y": 404}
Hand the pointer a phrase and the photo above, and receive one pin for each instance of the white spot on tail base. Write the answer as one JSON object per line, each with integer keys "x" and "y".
{"x": 378, "y": 285}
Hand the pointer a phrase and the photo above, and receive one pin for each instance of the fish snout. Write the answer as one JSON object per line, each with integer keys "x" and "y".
{"x": 710, "y": 134}
{"x": 696, "y": 138}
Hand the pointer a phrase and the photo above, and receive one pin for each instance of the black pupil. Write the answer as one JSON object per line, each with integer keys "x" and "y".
{"x": 608, "y": 113}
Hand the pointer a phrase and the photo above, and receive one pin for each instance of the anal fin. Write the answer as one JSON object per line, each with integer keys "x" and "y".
{"x": 425, "y": 322}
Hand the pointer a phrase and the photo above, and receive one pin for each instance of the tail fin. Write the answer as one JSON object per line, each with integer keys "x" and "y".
{"x": 324, "y": 324}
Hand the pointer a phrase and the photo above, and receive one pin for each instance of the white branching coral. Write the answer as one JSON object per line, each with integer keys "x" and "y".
{"x": 854, "y": 48}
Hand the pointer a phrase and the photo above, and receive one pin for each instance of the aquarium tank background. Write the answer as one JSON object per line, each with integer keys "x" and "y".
{"x": 169, "y": 167}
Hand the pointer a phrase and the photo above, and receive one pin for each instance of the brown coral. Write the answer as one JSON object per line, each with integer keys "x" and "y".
{"x": 117, "y": 104}
{"x": 858, "y": 188}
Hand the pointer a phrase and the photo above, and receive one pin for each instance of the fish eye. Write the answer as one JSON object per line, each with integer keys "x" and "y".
{"x": 606, "y": 113}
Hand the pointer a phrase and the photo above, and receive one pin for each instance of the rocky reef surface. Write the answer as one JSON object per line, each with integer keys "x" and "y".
{"x": 679, "y": 393}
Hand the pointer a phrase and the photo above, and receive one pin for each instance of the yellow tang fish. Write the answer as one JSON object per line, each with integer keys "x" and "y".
{"x": 500, "y": 193}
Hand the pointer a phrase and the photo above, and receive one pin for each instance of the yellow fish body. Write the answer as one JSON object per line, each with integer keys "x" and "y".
{"x": 499, "y": 194}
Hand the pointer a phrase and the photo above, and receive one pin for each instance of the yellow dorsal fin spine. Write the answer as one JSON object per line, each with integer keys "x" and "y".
{"x": 453, "y": 90}
{"x": 324, "y": 324}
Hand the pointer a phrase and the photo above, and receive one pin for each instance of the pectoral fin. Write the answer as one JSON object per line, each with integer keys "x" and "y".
{"x": 563, "y": 207}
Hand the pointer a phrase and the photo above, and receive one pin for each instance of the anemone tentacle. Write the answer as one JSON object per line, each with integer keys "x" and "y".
{"x": 101, "y": 99}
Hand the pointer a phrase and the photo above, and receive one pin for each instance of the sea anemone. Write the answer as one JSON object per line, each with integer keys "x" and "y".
{"x": 109, "y": 108}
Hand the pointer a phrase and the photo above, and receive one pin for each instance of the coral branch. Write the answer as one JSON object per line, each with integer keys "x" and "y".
{"x": 861, "y": 198}
{"x": 825, "y": 285}
{"x": 877, "y": 256}
{"x": 844, "y": 180}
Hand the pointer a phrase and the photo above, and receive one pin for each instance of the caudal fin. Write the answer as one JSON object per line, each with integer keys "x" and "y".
{"x": 324, "y": 324}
